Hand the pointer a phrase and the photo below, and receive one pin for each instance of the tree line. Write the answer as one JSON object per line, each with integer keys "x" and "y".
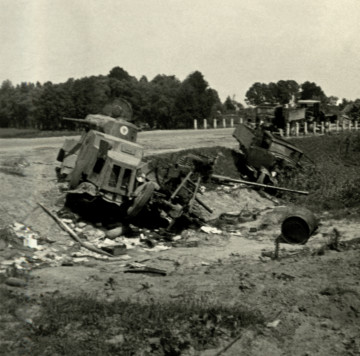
{"x": 287, "y": 91}
{"x": 164, "y": 102}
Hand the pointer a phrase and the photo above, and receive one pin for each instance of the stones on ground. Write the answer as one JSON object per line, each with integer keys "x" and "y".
{"x": 100, "y": 234}
{"x": 3, "y": 244}
{"x": 210, "y": 230}
{"x": 113, "y": 233}
{"x": 115, "y": 250}
{"x": 273, "y": 324}
{"x": 116, "y": 340}
{"x": 15, "y": 282}
{"x": 67, "y": 221}
{"x": 91, "y": 233}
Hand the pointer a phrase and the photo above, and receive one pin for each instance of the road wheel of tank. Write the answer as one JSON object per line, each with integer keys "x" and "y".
{"x": 143, "y": 195}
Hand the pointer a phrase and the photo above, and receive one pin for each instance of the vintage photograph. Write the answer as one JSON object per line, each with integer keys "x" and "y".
{"x": 179, "y": 178}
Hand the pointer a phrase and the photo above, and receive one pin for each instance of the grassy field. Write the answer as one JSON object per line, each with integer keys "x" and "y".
{"x": 330, "y": 172}
{"x": 85, "y": 326}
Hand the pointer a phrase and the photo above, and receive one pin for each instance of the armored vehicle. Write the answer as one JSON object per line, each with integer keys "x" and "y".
{"x": 107, "y": 162}
{"x": 266, "y": 154}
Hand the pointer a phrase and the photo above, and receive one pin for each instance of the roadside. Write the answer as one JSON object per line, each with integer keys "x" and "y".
{"x": 305, "y": 303}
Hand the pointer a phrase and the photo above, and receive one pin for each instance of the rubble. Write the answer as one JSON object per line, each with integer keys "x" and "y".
{"x": 210, "y": 230}
{"x": 15, "y": 282}
{"x": 178, "y": 213}
{"x": 146, "y": 269}
{"x": 265, "y": 154}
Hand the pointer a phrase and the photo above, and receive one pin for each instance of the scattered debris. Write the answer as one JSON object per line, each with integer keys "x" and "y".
{"x": 73, "y": 234}
{"x": 15, "y": 282}
{"x": 116, "y": 340}
{"x": 283, "y": 276}
{"x": 210, "y": 230}
{"x": 273, "y": 324}
{"x": 266, "y": 155}
{"x": 115, "y": 250}
{"x": 146, "y": 269}
{"x": 113, "y": 233}
{"x": 15, "y": 166}
{"x": 224, "y": 179}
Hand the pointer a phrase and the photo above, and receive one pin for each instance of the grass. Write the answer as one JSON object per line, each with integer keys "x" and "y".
{"x": 82, "y": 325}
{"x": 33, "y": 133}
{"x": 330, "y": 174}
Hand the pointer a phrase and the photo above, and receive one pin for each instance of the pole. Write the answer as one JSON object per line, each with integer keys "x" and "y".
{"x": 205, "y": 124}
{"x": 233, "y": 180}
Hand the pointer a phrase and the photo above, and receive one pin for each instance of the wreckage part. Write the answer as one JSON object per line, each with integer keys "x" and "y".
{"x": 298, "y": 226}
{"x": 198, "y": 200}
{"x": 182, "y": 184}
{"x": 146, "y": 270}
{"x": 192, "y": 200}
{"x": 73, "y": 234}
{"x": 143, "y": 194}
{"x": 233, "y": 180}
{"x": 172, "y": 221}
{"x": 69, "y": 148}
{"x": 194, "y": 185}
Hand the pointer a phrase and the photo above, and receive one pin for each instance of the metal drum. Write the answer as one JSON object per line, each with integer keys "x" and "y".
{"x": 298, "y": 226}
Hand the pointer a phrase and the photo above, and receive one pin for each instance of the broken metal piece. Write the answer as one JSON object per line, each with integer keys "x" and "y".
{"x": 233, "y": 180}
{"x": 73, "y": 233}
{"x": 146, "y": 270}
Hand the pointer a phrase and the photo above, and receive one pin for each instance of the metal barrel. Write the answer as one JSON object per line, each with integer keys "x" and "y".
{"x": 298, "y": 226}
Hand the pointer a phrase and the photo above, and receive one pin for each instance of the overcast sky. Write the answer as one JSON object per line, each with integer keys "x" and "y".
{"x": 234, "y": 43}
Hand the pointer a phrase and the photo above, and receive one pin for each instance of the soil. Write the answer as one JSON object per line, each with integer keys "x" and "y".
{"x": 309, "y": 296}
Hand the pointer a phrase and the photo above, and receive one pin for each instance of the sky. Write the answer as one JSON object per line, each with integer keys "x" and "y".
{"x": 233, "y": 43}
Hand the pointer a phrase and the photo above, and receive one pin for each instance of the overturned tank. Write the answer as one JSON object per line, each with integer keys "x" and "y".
{"x": 106, "y": 163}
{"x": 266, "y": 155}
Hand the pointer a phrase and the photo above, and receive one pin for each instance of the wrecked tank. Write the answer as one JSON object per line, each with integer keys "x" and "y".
{"x": 107, "y": 163}
{"x": 266, "y": 155}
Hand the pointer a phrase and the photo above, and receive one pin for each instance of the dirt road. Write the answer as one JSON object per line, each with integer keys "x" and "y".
{"x": 152, "y": 141}
{"x": 19, "y": 194}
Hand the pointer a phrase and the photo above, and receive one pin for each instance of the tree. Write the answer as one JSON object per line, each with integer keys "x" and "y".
{"x": 332, "y": 100}
{"x": 310, "y": 90}
{"x": 286, "y": 90}
{"x": 143, "y": 79}
{"x": 194, "y": 100}
{"x": 344, "y": 103}
{"x": 228, "y": 104}
{"x": 119, "y": 74}
{"x": 23, "y": 105}
{"x": 7, "y": 91}
{"x": 258, "y": 93}
{"x": 161, "y": 95}
{"x": 273, "y": 93}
